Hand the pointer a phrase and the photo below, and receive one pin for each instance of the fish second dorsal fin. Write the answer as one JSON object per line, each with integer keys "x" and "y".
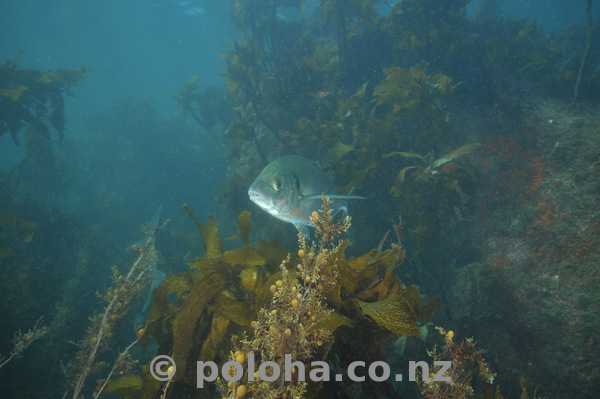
{"x": 334, "y": 196}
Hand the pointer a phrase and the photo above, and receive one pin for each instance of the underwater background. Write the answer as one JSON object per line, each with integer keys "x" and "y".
{"x": 472, "y": 128}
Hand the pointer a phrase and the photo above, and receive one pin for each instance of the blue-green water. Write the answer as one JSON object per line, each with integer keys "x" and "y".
{"x": 186, "y": 101}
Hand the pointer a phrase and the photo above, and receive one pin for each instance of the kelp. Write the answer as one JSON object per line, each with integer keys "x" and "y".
{"x": 432, "y": 168}
{"x": 215, "y": 257}
{"x": 334, "y": 155}
{"x": 245, "y": 227}
{"x": 416, "y": 27}
{"x": 303, "y": 310}
{"x": 203, "y": 307}
{"x": 519, "y": 46}
{"x": 227, "y": 306}
{"x": 10, "y": 222}
{"x": 179, "y": 284}
{"x": 414, "y": 95}
{"x": 220, "y": 327}
{"x": 452, "y": 156}
{"x": 252, "y": 278}
{"x": 207, "y": 107}
{"x": 332, "y": 322}
{"x": 399, "y": 88}
{"x": 273, "y": 252}
{"x": 303, "y": 87}
{"x": 240, "y": 257}
{"x": 265, "y": 295}
{"x": 128, "y": 386}
{"x": 371, "y": 284}
{"x": 360, "y": 276}
{"x": 189, "y": 318}
{"x": 351, "y": 18}
{"x": 195, "y": 315}
{"x": 213, "y": 246}
{"x": 440, "y": 181}
{"x": 35, "y": 98}
{"x": 412, "y": 295}
{"x": 5, "y": 253}
{"x": 256, "y": 17}
{"x": 393, "y": 313}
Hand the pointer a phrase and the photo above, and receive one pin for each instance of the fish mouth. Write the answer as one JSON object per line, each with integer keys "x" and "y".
{"x": 263, "y": 201}
{"x": 258, "y": 198}
{"x": 254, "y": 195}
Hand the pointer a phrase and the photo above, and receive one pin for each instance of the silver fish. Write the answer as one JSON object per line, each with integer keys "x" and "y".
{"x": 291, "y": 188}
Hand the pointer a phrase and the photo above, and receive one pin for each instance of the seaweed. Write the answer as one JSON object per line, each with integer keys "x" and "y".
{"x": 212, "y": 105}
{"x": 119, "y": 298}
{"x": 35, "y": 98}
{"x": 432, "y": 168}
{"x": 518, "y": 46}
{"x": 432, "y": 184}
{"x": 11, "y": 224}
{"x": 466, "y": 362}
{"x": 298, "y": 89}
{"x": 270, "y": 303}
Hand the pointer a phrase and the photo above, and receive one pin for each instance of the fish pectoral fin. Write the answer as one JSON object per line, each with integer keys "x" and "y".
{"x": 333, "y": 196}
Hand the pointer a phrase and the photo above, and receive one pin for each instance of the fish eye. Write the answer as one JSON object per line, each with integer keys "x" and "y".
{"x": 277, "y": 184}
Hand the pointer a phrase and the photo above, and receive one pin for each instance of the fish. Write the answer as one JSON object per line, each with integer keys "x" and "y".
{"x": 291, "y": 188}
{"x": 157, "y": 279}
{"x": 152, "y": 225}
{"x": 288, "y": 14}
{"x": 195, "y": 11}
{"x": 157, "y": 275}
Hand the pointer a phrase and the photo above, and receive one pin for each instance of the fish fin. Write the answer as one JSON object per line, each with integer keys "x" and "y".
{"x": 157, "y": 279}
{"x": 333, "y": 196}
{"x": 153, "y": 223}
{"x": 343, "y": 211}
{"x": 148, "y": 302}
{"x": 304, "y": 230}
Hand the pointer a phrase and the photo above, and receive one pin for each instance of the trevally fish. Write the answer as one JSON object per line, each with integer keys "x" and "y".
{"x": 291, "y": 188}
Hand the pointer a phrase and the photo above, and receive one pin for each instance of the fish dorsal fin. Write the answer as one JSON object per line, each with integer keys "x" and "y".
{"x": 336, "y": 196}
{"x": 333, "y": 196}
